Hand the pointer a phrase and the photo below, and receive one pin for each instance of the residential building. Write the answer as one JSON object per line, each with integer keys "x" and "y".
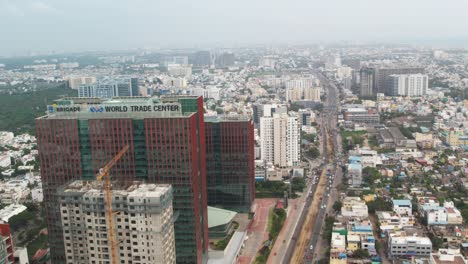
{"x": 338, "y": 249}
{"x": 382, "y": 76}
{"x": 279, "y": 140}
{"x": 390, "y": 221}
{"x": 6, "y": 245}
{"x": 230, "y": 162}
{"x": 408, "y": 84}
{"x": 143, "y": 223}
{"x": 166, "y": 139}
{"x": 179, "y": 70}
{"x": 402, "y": 207}
{"x": 355, "y": 174}
{"x": 75, "y": 82}
{"x": 367, "y": 76}
{"x": 354, "y": 207}
{"x": 110, "y": 88}
{"x": 408, "y": 246}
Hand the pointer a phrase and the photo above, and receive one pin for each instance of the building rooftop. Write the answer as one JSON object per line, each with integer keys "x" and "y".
{"x": 117, "y": 107}
{"x": 218, "y": 216}
{"x": 134, "y": 189}
{"x": 10, "y": 211}
{"x": 402, "y": 202}
{"x": 411, "y": 239}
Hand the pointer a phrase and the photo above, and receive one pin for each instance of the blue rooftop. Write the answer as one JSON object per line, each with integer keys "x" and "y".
{"x": 362, "y": 228}
{"x": 354, "y": 159}
{"x": 354, "y": 166}
{"x": 402, "y": 202}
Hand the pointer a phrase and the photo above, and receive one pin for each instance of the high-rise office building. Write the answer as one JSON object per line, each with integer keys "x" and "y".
{"x": 142, "y": 223}
{"x": 110, "y": 88}
{"x": 166, "y": 139}
{"x": 230, "y": 163}
{"x": 225, "y": 59}
{"x": 201, "y": 58}
{"x": 279, "y": 140}
{"x": 367, "y": 76}
{"x": 408, "y": 84}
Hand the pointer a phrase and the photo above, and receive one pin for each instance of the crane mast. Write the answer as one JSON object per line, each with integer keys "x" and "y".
{"x": 104, "y": 175}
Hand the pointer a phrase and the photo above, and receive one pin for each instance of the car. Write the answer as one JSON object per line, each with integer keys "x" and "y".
{"x": 311, "y": 247}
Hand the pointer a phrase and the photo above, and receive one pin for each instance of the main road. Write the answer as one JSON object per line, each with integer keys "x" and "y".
{"x": 301, "y": 248}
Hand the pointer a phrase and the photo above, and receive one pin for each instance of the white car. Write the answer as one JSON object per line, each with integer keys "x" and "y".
{"x": 311, "y": 247}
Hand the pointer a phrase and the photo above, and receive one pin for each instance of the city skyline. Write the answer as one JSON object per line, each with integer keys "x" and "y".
{"x": 60, "y": 26}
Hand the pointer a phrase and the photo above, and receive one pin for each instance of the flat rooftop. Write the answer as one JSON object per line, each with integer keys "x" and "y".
{"x": 134, "y": 189}
{"x": 116, "y": 107}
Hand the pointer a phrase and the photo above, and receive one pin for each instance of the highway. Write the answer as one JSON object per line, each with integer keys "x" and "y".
{"x": 302, "y": 247}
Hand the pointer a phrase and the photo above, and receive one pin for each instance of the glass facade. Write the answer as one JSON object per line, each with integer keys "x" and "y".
{"x": 161, "y": 150}
{"x": 230, "y": 164}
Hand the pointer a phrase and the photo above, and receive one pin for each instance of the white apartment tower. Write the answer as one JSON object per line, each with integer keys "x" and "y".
{"x": 143, "y": 223}
{"x": 279, "y": 140}
{"x": 408, "y": 84}
{"x": 302, "y": 89}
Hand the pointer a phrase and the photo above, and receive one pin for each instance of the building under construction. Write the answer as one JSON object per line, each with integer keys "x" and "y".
{"x": 143, "y": 223}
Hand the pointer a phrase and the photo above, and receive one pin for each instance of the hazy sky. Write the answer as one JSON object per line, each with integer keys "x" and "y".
{"x": 76, "y": 25}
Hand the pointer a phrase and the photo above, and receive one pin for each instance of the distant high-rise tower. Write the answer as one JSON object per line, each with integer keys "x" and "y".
{"x": 279, "y": 140}
{"x": 382, "y": 76}
{"x": 367, "y": 82}
{"x": 110, "y": 88}
{"x": 166, "y": 139}
{"x": 201, "y": 58}
{"x": 225, "y": 59}
{"x": 408, "y": 84}
{"x": 230, "y": 163}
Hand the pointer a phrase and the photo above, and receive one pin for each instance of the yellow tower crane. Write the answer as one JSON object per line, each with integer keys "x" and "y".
{"x": 104, "y": 175}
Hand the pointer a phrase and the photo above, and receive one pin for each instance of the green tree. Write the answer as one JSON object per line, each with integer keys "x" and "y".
{"x": 337, "y": 206}
{"x": 313, "y": 153}
{"x": 361, "y": 253}
{"x": 297, "y": 184}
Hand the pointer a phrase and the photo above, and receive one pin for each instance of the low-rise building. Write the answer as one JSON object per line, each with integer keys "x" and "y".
{"x": 408, "y": 246}
{"x": 391, "y": 221}
{"x": 402, "y": 207}
{"x": 354, "y": 207}
{"x": 338, "y": 249}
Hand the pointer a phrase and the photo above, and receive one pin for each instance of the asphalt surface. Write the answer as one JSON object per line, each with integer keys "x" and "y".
{"x": 328, "y": 124}
{"x": 330, "y": 117}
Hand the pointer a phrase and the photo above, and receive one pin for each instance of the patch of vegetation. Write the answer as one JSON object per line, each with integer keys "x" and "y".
{"x": 379, "y": 204}
{"x": 370, "y": 175}
{"x": 309, "y": 137}
{"x": 352, "y": 138}
{"x": 39, "y": 243}
{"x": 327, "y": 230}
{"x": 361, "y": 253}
{"x": 312, "y": 153}
{"x": 337, "y": 206}
{"x": 297, "y": 184}
{"x": 276, "y": 220}
{"x": 18, "y": 111}
{"x": 270, "y": 189}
